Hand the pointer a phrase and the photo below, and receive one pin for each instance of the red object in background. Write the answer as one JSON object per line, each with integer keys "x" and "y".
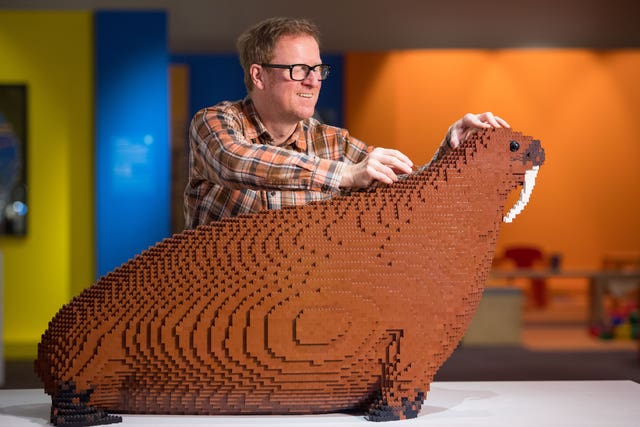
{"x": 528, "y": 257}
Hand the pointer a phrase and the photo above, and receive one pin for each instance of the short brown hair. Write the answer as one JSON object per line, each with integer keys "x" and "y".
{"x": 256, "y": 45}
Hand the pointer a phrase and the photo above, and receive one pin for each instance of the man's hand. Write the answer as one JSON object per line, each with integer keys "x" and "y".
{"x": 381, "y": 164}
{"x": 471, "y": 123}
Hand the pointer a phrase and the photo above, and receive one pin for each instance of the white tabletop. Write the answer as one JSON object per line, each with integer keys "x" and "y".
{"x": 495, "y": 404}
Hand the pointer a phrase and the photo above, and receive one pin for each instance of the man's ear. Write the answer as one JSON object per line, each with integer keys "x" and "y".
{"x": 257, "y": 75}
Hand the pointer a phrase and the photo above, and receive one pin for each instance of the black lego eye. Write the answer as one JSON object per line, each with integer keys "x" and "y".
{"x": 514, "y": 146}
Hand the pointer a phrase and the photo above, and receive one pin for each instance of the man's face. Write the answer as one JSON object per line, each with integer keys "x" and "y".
{"x": 293, "y": 100}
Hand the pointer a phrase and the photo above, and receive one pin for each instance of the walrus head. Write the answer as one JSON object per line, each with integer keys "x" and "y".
{"x": 532, "y": 155}
{"x": 503, "y": 159}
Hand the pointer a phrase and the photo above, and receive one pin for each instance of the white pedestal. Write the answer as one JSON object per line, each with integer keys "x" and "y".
{"x": 448, "y": 404}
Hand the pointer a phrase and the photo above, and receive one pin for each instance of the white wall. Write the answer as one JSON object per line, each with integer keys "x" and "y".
{"x": 355, "y": 25}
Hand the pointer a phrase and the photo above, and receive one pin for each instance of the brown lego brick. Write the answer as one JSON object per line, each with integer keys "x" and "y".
{"x": 350, "y": 303}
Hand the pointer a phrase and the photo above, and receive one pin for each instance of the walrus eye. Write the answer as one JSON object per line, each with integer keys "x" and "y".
{"x": 514, "y": 146}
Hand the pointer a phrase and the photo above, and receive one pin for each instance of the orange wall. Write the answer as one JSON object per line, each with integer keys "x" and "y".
{"x": 584, "y": 105}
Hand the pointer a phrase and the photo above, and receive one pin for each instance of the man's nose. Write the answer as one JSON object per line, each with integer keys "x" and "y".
{"x": 313, "y": 78}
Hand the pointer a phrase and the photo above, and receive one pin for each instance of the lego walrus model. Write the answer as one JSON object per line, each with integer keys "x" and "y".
{"x": 347, "y": 304}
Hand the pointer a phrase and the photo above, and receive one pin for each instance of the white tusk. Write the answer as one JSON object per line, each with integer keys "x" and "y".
{"x": 525, "y": 194}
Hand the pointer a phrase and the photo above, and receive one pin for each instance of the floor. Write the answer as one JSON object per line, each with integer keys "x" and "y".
{"x": 455, "y": 404}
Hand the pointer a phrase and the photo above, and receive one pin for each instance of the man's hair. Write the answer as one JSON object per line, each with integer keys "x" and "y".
{"x": 256, "y": 45}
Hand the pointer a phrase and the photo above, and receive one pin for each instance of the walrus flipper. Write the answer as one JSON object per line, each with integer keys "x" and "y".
{"x": 69, "y": 408}
{"x": 382, "y": 411}
{"x": 401, "y": 393}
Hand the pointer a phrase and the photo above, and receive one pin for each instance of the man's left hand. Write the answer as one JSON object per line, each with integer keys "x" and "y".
{"x": 471, "y": 123}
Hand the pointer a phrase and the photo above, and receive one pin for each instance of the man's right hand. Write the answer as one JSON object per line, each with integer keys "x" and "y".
{"x": 382, "y": 164}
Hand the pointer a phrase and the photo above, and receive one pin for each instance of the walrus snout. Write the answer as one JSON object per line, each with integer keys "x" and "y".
{"x": 535, "y": 153}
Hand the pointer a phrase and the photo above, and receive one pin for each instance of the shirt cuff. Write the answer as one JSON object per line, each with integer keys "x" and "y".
{"x": 327, "y": 175}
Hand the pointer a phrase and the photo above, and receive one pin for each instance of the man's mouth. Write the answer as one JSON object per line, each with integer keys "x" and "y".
{"x": 306, "y": 95}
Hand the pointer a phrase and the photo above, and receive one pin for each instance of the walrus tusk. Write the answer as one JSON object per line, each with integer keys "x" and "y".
{"x": 525, "y": 193}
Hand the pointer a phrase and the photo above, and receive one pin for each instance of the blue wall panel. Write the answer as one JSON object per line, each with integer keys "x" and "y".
{"x": 212, "y": 78}
{"x": 132, "y": 134}
{"x": 331, "y": 102}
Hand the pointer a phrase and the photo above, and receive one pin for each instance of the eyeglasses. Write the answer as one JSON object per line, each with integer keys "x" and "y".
{"x": 299, "y": 72}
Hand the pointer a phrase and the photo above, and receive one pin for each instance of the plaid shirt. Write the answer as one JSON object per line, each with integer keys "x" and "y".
{"x": 236, "y": 167}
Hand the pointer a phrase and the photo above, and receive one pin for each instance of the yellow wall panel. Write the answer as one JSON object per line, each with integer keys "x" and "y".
{"x": 51, "y": 52}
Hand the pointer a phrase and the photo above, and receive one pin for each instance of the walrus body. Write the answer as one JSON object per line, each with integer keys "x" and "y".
{"x": 352, "y": 303}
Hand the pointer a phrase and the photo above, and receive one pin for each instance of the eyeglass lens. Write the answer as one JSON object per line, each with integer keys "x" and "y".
{"x": 301, "y": 71}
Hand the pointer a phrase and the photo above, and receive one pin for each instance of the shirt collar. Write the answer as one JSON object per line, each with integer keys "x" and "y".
{"x": 298, "y": 138}
{"x": 259, "y": 131}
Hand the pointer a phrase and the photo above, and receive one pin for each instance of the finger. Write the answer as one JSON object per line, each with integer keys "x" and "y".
{"x": 475, "y": 120}
{"x": 392, "y": 153}
{"x": 398, "y": 161}
{"x": 380, "y": 172}
{"x": 398, "y": 155}
{"x": 489, "y": 118}
{"x": 382, "y": 177}
{"x": 502, "y": 122}
{"x": 393, "y": 158}
{"x": 454, "y": 140}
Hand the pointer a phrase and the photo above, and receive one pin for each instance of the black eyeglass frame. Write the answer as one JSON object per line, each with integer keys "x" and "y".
{"x": 309, "y": 67}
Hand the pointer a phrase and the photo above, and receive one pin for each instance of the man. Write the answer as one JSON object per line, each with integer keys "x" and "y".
{"x": 266, "y": 151}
